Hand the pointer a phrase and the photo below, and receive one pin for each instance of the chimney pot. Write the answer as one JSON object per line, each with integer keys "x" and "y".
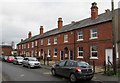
{"x": 94, "y": 11}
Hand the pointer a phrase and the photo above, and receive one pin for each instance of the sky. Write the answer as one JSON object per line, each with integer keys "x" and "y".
{"x": 18, "y": 17}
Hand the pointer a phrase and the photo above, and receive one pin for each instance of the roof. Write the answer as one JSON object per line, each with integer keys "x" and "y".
{"x": 105, "y": 17}
{"x": 5, "y": 46}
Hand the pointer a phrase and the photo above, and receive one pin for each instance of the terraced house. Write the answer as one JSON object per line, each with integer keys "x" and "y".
{"x": 89, "y": 39}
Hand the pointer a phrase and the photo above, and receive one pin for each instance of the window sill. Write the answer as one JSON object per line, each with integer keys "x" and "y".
{"x": 93, "y": 38}
{"x": 65, "y": 41}
{"x": 54, "y": 56}
{"x": 93, "y": 57}
{"x": 80, "y": 57}
{"x": 55, "y": 43}
{"x": 49, "y": 44}
{"x": 80, "y": 40}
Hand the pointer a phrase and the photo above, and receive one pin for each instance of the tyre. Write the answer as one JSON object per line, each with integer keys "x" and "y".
{"x": 88, "y": 79}
{"x": 29, "y": 66}
{"x": 72, "y": 78}
{"x": 23, "y": 65}
{"x": 53, "y": 72}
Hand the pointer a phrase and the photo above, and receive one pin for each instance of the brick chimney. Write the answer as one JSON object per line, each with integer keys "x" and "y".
{"x": 29, "y": 34}
{"x": 94, "y": 11}
{"x": 41, "y": 30}
{"x": 21, "y": 40}
{"x": 60, "y": 23}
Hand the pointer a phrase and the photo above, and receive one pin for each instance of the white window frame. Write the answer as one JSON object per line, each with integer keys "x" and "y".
{"x": 65, "y": 38}
{"x": 36, "y": 43}
{"x": 28, "y": 45}
{"x": 80, "y": 35}
{"x": 48, "y": 53}
{"x": 22, "y": 46}
{"x": 55, "y": 52}
{"x": 93, "y": 33}
{"x": 80, "y": 51}
{"x": 91, "y": 51}
{"x": 41, "y": 41}
{"x": 49, "y": 41}
{"x": 32, "y": 44}
{"x": 55, "y": 40}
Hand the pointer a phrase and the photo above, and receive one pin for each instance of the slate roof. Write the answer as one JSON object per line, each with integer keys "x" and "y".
{"x": 76, "y": 25}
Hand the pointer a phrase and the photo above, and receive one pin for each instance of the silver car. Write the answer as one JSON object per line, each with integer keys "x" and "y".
{"x": 18, "y": 60}
{"x": 31, "y": 62}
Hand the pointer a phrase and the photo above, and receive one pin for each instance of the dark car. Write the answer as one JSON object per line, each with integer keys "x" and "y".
{"x": 4, "y": 58}
{"x": 74, "y": 70}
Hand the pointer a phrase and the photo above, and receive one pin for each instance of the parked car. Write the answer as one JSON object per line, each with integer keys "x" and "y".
{"x": 18, "y": 60}
{"x": 4, "y": 58}
{"x": 31, "y": 62}
{"x": 10, "y": 59}
{"x": 74, "y": 70}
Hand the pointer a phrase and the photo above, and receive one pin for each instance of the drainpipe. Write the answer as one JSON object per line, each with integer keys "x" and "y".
{"x": 74, "y": 47}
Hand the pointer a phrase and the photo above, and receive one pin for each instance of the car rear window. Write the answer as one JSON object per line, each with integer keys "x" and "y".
{"x": 81, "y": 64}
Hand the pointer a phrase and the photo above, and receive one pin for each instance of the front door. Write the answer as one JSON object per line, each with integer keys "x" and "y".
{"x": 61, "y": 55}
{"x": 71, "y": 55}
{"x": 109, "y": 53}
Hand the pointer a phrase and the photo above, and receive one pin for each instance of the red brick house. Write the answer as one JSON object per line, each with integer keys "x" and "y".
{"x": 89, "y": 39}
{"x": 5, "y": 50}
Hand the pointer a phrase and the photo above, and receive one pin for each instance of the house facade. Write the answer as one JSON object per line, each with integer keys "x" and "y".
{"x": 89, "y": 39}
{"x": 5, "y": 50}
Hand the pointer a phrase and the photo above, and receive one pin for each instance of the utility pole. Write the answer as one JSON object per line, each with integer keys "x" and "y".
{"x": 114, "y": 38}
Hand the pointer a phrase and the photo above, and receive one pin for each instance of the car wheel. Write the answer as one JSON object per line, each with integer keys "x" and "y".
{"x": 23, "y": 65}
{"x": 53, "y": 72}
{"x": 88, "y": 79}
{"x": 29, "y": 66}
{"x": 72, "y": 78}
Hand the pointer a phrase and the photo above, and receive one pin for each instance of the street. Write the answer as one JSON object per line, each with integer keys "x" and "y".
{"x": 11, "y": 72}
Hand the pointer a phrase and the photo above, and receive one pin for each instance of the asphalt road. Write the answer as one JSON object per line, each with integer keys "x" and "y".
{"x": 11, "y": 72}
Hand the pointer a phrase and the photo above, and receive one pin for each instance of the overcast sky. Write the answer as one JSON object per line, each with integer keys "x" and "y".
{"x": 18, "y": 17}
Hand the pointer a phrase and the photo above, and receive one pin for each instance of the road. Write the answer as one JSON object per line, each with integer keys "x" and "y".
{"x": 11, "y": 72}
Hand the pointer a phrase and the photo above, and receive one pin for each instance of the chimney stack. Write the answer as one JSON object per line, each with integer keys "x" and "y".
{"x": 21, "y": 40}
{"x": 94, "y": 11}
{"x": 29, "y": 34}
{"x": 60, "y": 23}
{"x": 41, "y": 30}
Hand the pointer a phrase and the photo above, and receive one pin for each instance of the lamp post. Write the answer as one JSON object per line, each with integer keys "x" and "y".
{"x": 114, "y": 39}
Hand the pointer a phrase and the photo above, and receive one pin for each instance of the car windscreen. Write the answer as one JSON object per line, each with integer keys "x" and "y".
{"x": 82, "y": 64}
{"x": 32, "y": 59}
{"x": 19, "y": 58}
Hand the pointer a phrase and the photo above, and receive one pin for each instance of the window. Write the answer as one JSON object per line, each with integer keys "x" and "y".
{"x": 28, "y": 45}
{"x": 49, "y": 52}
{"x": 32, "y": 54}
{"x": 94, "y": 51}
{"x": 41, "y": 41}
{"x": 80, "y": 52}
{"x": 48, "y": 41}
{"x": 55, "y": 40}
{"x": 65, "y": 38}
{"x": 55, "y": 52}
{"x": 32, "y": 44}
{"x": 61, "y": 64}
{"x": 36, "y": 43}
{"x": 22, "y": 46}
{"x": 93, "y": 33}
{"x": 80, "y": 35}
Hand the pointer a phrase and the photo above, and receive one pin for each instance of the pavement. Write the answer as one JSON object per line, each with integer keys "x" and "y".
{"x": 98, "y": 76}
